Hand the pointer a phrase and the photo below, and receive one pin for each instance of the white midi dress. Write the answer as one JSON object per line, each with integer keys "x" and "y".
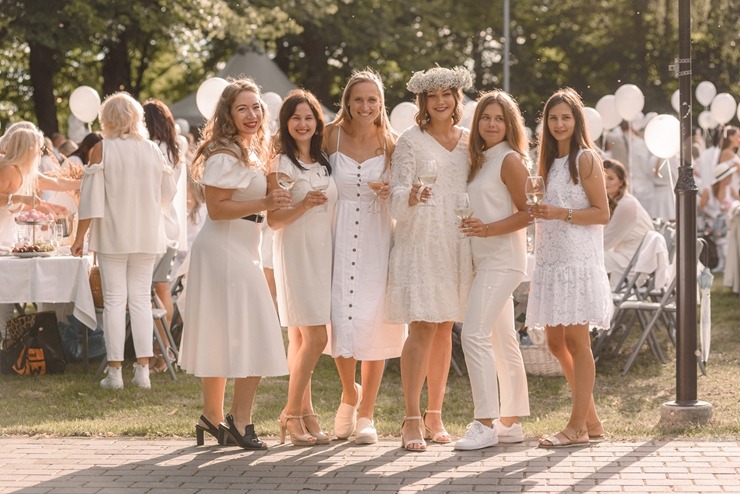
{"x": 569, "y": 283}
{"x": 302, "y": 257}
{"x": 230, "y": 326}
{"x": 362, "y": 244}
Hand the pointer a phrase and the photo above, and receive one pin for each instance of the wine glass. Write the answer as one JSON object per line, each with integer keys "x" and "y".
{"x": 534, "y": 189}
{"x": 284, "y": 173}
{"x": 319, "y": 180}
{"x": 376, "y": 183}
{"x": 463, "y": 211}
{"x": 427, "y": 175}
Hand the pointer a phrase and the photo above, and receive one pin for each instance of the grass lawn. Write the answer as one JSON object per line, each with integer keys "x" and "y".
{"x": 72, "y": 404}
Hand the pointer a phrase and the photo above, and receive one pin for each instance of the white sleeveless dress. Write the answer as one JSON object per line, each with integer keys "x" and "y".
{"x": 569, "y": 283}
{"x": 362, "y": 244}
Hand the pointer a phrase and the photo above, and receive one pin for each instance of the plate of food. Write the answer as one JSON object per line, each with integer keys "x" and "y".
{"x": 39, "y": 249}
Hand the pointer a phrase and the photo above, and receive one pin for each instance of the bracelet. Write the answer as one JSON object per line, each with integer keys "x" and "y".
{"x": 569, "y": 218}
{"x": 486, "y": 234}
{"x": 9, "y": 204}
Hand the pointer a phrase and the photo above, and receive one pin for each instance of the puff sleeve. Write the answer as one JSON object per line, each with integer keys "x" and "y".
{"x": 227, "y": 172}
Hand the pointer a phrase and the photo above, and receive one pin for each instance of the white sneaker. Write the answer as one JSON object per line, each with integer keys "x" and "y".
{"x": 478, "y": 436}
{"x": 141, "y": 376}
{"x": 513, "y": 434}
{"x": 365, "y": 432}
{"x": 113, "y": 379}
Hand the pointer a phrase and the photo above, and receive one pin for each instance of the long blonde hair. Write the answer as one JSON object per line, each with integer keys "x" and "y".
{"x": 516, "y": 136}
{"x": 22, "y": 148}
{"x": 221, "y": 133}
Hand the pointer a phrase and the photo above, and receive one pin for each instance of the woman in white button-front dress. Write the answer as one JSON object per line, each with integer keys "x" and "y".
{"x": 360, "y": 143}
{"x": 302, "y": 256}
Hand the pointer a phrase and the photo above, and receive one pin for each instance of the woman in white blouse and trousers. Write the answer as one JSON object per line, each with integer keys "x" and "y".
{"x": 121, "y": 198}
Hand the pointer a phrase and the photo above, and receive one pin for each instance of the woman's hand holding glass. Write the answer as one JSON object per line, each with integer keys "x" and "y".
{"x": 381, "y": 189}
{"x": 319, "y": 181}
{"x": 534, "y": 189}
{"x": 426, "y": 175}
{"x": 277, "y": 199}
{"x": 463, "y": 211}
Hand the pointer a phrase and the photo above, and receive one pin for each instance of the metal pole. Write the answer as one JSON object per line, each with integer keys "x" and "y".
{"x": 507, "y": 44}
{"x": 686, "y": 190}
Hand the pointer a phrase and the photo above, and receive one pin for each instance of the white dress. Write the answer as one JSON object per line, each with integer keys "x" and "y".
{"x": 569, "y": 284}
{"x": 231, "y": 329}
{"x": 362, "y": 244}
{"x": 302, "y": 256}
{"x": 430, "y": 268}
{"x": 623, "y": 234}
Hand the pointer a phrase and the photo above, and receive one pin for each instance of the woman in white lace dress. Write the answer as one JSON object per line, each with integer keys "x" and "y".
{"x": 570, "y": 290}
{"x": 430, "y": 268}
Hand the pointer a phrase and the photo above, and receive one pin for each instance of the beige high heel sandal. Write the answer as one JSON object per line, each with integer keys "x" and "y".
{"x": 321, "y": 438}
{"x": 304, "y": 439}
{"x": 440, "y": 437}
{"x": 414, "y": 445}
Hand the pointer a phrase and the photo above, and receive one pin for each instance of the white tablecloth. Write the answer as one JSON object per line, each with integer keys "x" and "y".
{"x": 58, "y": 279}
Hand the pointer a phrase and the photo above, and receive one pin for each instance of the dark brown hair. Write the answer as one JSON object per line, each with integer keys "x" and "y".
{"x": 161, "y": 127}
{"x": 285, "y": 144}
{"x": 621, "y": 172}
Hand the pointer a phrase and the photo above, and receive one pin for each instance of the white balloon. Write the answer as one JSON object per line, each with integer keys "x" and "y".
{"x": 676, "y": 100}
{"x": 607, "y": 108}
{"x": 85, "y": 103}
{"x": 648, "y": 116}
{"x": 638, "y": 122}
{"x": 184, "y": 125}
{"x": 468, "y": 114}
{"x": 402, "y": 116}
{"x": 705, "y": 93}
{"x": 738, "y": 112}
{"x": 723, "y": 108}
{"x": 274, "y": 102}
{"x": 706, "y": 120}
{"x": 663, "y": 136}
{"x": 594, "y": 122}
{"x": 206, "y": 98}
{"x": 629, "y": 100}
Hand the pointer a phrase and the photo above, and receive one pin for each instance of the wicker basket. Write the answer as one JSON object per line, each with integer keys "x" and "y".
{"x": 538, "y": 361}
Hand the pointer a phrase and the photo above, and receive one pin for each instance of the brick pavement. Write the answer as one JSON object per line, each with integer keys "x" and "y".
{"x": 131, "y": 465}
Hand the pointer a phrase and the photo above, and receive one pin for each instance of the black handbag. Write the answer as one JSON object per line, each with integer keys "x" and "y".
{"x": 32, "y": 346}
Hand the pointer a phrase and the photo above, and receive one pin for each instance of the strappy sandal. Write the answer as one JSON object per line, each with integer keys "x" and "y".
{"x": 573, "y": 440}
{"x": 413, "y": 445}
{"x": 439, "y": 437}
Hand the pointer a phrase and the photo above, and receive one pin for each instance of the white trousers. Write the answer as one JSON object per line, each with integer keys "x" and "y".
{"x": 6, "y": 314}
{"x": 491, "y": 347}
{"x": 127, "y": 278}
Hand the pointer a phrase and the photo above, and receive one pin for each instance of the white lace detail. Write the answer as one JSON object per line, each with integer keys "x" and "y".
{"x": 569, "y": 284}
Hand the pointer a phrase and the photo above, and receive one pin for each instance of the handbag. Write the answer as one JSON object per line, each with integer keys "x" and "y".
{"x": 32, "y": 346}
{"x": 709, "y": 255}
{"x": 96, "y": 284}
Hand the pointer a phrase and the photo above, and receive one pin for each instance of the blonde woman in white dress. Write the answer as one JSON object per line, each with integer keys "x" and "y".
{"x": 360, "y": 143}
{"x": 302, "y": 257}
{"x": 498, "y": 157}
{"x": 430, "y": 269}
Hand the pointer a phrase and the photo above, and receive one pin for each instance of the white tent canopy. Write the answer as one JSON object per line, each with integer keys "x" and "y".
{"x": 259, "y": 67}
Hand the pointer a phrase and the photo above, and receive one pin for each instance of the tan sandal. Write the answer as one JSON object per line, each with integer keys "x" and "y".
{"x": 413, "y": 445}
{"x": 439, "y": 437}
{"x": 570, "y": 441}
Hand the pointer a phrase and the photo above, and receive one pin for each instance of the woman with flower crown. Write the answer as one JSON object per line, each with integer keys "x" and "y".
{"x": 430, "y": 267}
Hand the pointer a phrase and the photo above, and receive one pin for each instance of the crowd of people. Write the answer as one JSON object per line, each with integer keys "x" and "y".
{"x": 365, "y": 244}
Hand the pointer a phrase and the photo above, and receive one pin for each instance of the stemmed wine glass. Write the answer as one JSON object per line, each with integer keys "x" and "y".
{"x": 463, "y": 211}
{"x": 319, "y": 180}
{"x": 534, "y": 189}
{"x": 375, "y": 184}
{"x": 284, "y": 173}
{"x": 427, "y": 175}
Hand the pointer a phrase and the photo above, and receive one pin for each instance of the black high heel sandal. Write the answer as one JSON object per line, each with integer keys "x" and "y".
{"x": 209, "y": 428}
{"x": 229, "y": 431}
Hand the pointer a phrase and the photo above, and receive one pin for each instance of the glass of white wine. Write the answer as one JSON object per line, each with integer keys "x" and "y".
{"x": 319, "y": 180}
{"x": 427, "y": 175}
{"x": 376, "y": 183}
{"x": 534, "y": 189}
{"x": 284, "y": 173}
{"x": 463, "y": 211}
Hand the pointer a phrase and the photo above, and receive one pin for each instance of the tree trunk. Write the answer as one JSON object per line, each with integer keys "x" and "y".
{"x": 42, "y": 66}
{"x": 117, "y": 67}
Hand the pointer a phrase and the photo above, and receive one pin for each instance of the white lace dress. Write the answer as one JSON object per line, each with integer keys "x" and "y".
{"x": 569, "y": 284}
{"x": 430, "y": 269}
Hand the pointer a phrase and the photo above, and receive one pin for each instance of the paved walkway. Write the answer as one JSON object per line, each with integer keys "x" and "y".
{"x": 110, "y": 465}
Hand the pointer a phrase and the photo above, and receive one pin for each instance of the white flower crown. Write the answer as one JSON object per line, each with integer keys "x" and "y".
{"x": 439, "y": 78}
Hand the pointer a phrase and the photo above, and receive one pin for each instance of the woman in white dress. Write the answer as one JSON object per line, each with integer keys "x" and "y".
{"x": 498, "y": 156}
{"x": 430, "y": 269}
{"x": 360, "y": 142}
{"x": 628, "y": 222}
{"x": 231, "y": 329}
{"x": 570, "y": 290}
{"x": 122, "y": 193}
{"x": 302, "y": 255}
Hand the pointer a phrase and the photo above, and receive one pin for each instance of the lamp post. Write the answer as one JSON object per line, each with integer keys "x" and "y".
{"x": 686, "y": 408}
{"x": 507, "y": 44}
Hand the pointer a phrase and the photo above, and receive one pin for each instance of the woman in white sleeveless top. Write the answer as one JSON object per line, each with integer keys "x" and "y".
{"x": 360, "y": 143}
{"x": 498, "y": 173}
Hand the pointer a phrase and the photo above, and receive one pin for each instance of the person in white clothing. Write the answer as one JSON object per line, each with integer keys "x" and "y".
{"x": 430, "y": 269}
{"x": 498, "y": 172}
{"x": 120, "y": 202}
{"x": 360, "y": 143}
{"x": 302, "y": 255}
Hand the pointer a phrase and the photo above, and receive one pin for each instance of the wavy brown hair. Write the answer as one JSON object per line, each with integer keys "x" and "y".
{"x": 161, "y": 126}
{"x": 516, "y": 136}
{"x": 621, "y": 172}
{"x": 422, "y": 117}
{"x": 220, "y": 132}
{"x": 579, "y": 140}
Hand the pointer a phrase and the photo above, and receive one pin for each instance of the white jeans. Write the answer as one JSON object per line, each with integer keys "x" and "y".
{"x": 491, "y": 347}
{"x": 127, "y": 278}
